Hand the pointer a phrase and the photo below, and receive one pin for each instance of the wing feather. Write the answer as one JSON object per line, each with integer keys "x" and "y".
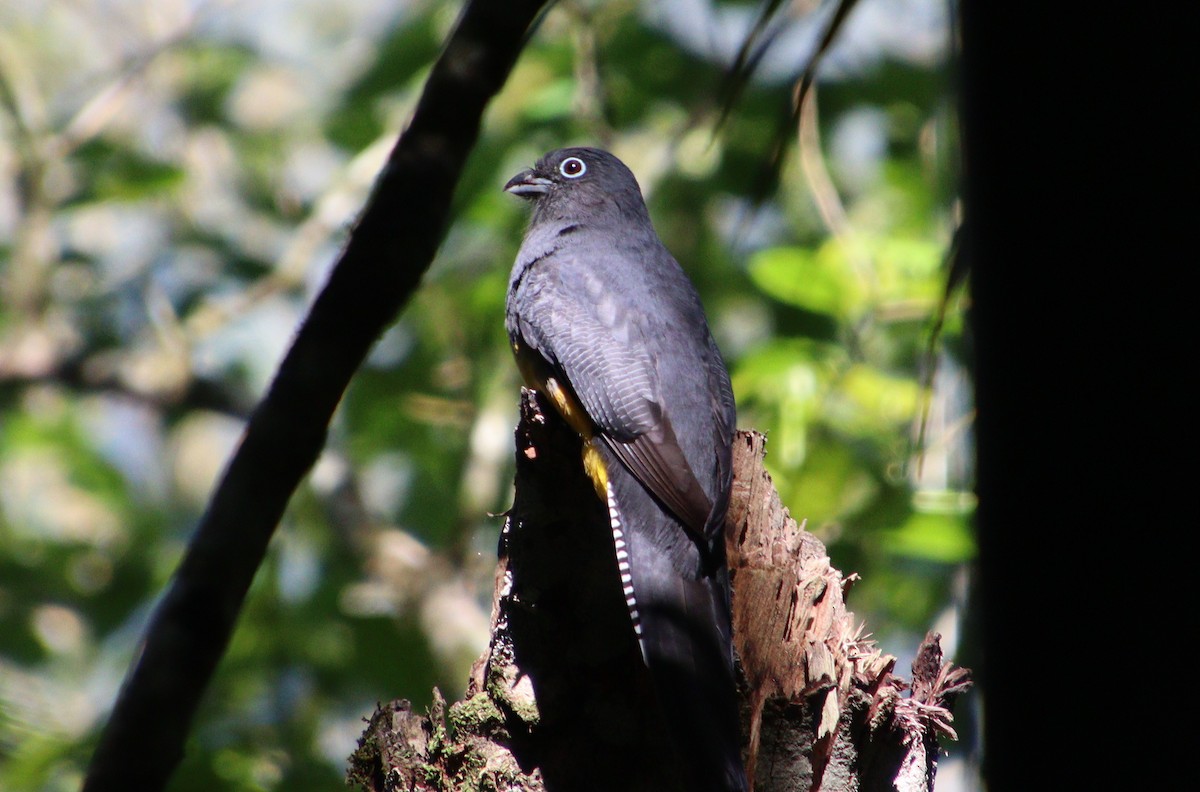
{"x": 585, "y": 330}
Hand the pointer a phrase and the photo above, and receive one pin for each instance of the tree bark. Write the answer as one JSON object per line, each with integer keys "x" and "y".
{"x": 560, "y": 699}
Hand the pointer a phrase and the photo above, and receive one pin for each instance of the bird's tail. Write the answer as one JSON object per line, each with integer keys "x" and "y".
{"x": 679, "y": 603}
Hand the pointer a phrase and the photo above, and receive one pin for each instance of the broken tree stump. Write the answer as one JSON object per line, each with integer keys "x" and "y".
{"x": 560, "y": 700}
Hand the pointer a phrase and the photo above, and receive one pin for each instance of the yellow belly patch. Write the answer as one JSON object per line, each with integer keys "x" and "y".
{"x": 570, "y": 409}
{"x": 534, "y": 372}
{"x": 593, "y": 465}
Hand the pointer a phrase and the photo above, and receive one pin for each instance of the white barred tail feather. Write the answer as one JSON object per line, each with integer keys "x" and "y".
{"x": 618, "y": 532}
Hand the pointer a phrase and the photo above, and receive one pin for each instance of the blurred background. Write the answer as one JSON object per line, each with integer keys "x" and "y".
{"x": 176, "y": 178}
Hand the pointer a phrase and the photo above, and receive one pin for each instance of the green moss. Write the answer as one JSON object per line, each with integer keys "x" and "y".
{"x": 476, "y": 715}
{"x": 517, "y": 699}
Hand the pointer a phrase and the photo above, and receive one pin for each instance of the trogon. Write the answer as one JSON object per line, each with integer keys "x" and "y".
{"x": 605, "y": 324}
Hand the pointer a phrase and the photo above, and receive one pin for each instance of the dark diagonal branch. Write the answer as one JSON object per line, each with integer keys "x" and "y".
{"x": 390, "y": 248}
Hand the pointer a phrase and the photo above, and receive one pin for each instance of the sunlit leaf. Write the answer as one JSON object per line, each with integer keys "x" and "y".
{"x": 820, "y": 281}
{"x": 908, "y": 268}
{"x": 944, "y": 538}
{"x": 880, "y": 399}
{"x": 831, "y": 484}
{"x": 556, "y": 100}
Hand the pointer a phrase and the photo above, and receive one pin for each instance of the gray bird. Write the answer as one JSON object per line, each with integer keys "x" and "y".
{"x": 606, "y": 325}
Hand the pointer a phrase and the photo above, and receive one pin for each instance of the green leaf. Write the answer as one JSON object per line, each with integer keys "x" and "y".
{"x": 780, "y": 386}
{"x": 119, "y": 173}
{"x": 209, "y": 71}
{"x": 820, "y": 281}
{"x": 832, "y": 484}
{"x": 556, "y": 100}
{"x": 908, "y": 268}
{"x": 945, "y": 538}
{"x": 877, "y": 400}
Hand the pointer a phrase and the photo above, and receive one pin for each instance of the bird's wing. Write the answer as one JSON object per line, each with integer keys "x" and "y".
{"x": 583, "y": 331}
{"x": 724, "y": 411}
{"x": 656, "y": 459}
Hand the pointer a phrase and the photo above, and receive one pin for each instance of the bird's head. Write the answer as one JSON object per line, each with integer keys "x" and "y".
{"x": 578, "y": 179}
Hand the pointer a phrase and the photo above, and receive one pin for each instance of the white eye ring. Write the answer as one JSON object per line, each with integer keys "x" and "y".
{"x": 571, "y": 162}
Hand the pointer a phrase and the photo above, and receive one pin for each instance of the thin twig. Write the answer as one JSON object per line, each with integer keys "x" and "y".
{"x": 825, "y": 193}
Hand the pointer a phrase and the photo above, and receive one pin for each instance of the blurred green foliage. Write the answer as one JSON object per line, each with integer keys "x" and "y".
{"x": 175, "y": 180}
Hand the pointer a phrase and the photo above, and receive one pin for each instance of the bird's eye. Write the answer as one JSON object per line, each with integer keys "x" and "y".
{"x": 572, "y": 167}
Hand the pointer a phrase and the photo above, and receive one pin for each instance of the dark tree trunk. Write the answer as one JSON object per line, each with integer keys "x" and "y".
{"x": 1081, "y": 242}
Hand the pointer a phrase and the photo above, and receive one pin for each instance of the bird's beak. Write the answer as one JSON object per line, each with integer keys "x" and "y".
{"x": 528, "y": 184}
